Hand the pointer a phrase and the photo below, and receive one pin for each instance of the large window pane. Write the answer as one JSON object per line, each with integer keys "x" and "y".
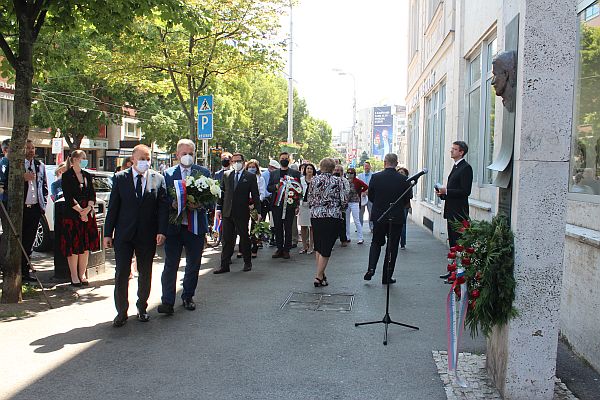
{"x": 475, "y": 70}
{"x": 473, "y": 131}
{"x": 490, "y": 119}
{"x": 585, "y": 158}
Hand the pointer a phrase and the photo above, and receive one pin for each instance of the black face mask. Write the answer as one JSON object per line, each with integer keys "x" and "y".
{"x": 336, "y": 174}
{"x": 284, "y": 163}
{"x": 225, "y": 163}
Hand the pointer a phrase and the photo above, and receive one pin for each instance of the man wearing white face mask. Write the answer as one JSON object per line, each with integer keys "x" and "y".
{"x": 138, "y": 215}
{"x": 180, "y": 236}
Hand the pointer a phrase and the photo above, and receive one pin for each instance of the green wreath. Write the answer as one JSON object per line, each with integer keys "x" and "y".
{"x": 490, "y": 279}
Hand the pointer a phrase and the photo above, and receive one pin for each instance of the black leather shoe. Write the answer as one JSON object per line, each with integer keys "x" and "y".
{"x": 286, "y": 255}
{"x": 247, "y": 267}
{"x": 277, "y": 254}
{"x": 369, "y": 274}
{"x": 119, "y": 321}
{"x": 143, "y": 315}
{"x": 445, "y": 276}
{"x": 189, "y": 304}
{"x": 221, "y": 270}
{"x": 390, "y": 281}
{"x": 165, "y": 309}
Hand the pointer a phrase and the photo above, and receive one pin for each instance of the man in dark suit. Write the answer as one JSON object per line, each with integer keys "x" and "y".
{"x": 138, "y": 215}
{"x": 456, "y": 192}
{"x": 233, "y": 208}
{"x": 35, "y": 193}
{"x": 180, "y": 236}
{"x": 385, "y": 188}
{"x": 283, "y": 226}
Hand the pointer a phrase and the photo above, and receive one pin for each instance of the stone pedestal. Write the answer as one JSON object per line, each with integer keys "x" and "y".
{"x": 522, "y": 354}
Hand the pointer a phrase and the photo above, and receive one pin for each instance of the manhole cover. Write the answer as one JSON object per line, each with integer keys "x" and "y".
{"x": 319, "y": 301}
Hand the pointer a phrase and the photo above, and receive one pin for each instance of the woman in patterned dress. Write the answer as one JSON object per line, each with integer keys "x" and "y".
{"x": 327, "y": 198}
{"x": 79, "y": 229}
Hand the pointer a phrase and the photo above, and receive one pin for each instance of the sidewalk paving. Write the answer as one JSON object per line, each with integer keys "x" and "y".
{"x": 241, "y": 342}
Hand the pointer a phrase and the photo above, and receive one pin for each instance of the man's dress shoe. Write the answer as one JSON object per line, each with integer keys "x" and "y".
{"x": 119, "y": 321}
{"x": 189, "y": 304}
{"x": 247, "y": 267}
{"x": 390, "y": 281}
{"x": 221, "y": 270}
{"x": 369, "y": 274}
{"x": 143, "y": 315}
{"x": 165, "y": 309}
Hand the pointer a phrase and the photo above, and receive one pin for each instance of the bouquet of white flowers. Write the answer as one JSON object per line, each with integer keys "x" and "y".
{"x": 192, "y": 193}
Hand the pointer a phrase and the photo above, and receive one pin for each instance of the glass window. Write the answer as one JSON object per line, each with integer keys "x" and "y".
{"x": 474, "y": 71}
{"x": 585, "y": 151}
{"x": 473, "y": 114}
{"x": 435, "y": 141}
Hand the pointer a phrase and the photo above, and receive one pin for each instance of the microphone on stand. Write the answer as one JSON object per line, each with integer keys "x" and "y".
{"x": 416, "y": 176}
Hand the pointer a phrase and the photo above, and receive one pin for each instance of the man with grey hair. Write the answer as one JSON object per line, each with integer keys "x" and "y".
{"x": 385, "y": 188}
{"x": 182, "y": 235}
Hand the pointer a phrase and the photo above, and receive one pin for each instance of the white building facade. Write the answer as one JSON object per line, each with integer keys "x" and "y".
{"x": 450, "y": 97}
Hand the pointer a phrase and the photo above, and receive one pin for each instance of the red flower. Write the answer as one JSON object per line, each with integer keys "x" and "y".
{"x": 470, "y": 250}
{"x": 472, "y": 305}
{"x": 466, "y": 223}
{"x": 451, "y": 267}
{"x": 460, "y": 248}
{"x": 475, "y": 294}
{"x": 452, "y": 276}
{"x": 466, "y": 261}
{"x": 453, "y": 249}
{"x": 452, "y": 255}
{"x": 478, "y": 276}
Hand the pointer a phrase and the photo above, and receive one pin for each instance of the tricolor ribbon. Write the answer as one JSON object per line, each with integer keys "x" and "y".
{"x": 456, "y": 311}
{"x": 283, "y": 193}
{"x": 192, "y": 215}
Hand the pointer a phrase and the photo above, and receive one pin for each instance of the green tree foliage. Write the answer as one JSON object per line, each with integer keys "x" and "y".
{"x": 22, "y": 22}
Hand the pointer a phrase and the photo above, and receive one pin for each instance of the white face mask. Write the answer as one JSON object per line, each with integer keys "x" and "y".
{"x": 142, "y": 165}
{"x": 237, "y": 166}
{"x": 186, "y": 160}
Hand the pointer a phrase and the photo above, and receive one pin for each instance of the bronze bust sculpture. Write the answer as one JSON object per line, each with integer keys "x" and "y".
{"x": 504, "y": 70}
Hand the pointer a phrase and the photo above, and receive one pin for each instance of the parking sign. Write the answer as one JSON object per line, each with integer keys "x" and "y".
{"x": 205, "y": 117}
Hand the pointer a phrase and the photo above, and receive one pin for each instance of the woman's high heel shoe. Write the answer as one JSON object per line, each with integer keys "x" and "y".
{"x": 320, "y": 282}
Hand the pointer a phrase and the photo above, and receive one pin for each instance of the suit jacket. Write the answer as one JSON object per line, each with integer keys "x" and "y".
{"x": 274, "y": 179}
{"x": 130, "y": 219}
{"x": 234, "y": 202}
{"x": 174, "y": 174}
{"x": 458, "y": 189}
{"x": 73, "y": 192}
{"x": 385, "y": 188}
{"x": 40, "y": 174}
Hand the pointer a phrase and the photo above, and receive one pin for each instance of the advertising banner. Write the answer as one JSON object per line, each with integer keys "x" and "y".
{"x": 382, "y": 132}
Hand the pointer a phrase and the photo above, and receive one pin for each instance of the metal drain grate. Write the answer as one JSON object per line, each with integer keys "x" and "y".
{"x": 319, "y": 301}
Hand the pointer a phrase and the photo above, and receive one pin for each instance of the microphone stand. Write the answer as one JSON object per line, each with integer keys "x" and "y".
{"x": 387, "y": 320}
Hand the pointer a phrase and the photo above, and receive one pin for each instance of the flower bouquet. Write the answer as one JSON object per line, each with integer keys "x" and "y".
{"x": 261, "y": 230}
{"x": 289, "y": 193}
{"x": 193, "y": 193}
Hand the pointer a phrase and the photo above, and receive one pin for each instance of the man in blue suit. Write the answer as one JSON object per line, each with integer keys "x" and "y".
{"x": 179, "y": 236}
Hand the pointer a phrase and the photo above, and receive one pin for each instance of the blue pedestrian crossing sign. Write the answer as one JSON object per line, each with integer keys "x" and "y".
{"x": 205, "y": 117}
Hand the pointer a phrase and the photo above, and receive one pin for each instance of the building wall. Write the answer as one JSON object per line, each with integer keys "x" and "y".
{"x": 440, "y": 52}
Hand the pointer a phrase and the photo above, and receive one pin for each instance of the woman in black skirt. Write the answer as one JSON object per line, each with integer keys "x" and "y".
{"x": 327, "y": 198}
{"x": 79, "y": 229}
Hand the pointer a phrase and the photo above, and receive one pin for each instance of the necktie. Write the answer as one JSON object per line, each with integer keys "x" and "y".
{"x": 185, "y": 173}
{"x": 138, "y": 187}
{"x": 237, "y": 179}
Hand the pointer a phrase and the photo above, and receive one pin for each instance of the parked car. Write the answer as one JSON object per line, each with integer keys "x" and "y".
{"x": 102, "y": 182}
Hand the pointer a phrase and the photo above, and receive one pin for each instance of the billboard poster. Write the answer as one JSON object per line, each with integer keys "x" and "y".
{"x": 382, "y": 131}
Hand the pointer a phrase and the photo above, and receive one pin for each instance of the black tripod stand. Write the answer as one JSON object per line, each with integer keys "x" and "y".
{"x": 387, "y": 268}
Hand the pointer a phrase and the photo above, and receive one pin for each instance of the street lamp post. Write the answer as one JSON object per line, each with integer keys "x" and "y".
{"x": 354, "y": 138}
{"x": 290, "y": 136}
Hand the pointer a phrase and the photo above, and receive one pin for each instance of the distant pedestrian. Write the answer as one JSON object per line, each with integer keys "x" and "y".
{"x": 357, "y": 187}
{"x": 309, "y": 172}
{"x": 404, "y": 172}
{"x": 56, "y": 192}
{"x": 327, "y": 198}
{"x": 79, "y": 232}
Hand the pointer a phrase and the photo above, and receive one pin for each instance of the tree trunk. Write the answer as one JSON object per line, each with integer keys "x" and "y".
{"x": 11, "y": 289}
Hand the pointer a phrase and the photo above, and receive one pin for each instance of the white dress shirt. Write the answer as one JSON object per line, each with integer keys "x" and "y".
{"x": 32, "y": 190}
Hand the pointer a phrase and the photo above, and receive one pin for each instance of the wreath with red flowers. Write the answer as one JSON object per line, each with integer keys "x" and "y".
{"x": 486, "y": 252}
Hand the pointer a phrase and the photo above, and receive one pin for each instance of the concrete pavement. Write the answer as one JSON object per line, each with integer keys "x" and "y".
{"x": 240, "y": 343}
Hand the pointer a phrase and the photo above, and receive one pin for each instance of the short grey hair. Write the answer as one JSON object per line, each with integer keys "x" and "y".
{"x": 186, "y": 142}
{"x": 391, "y": 159}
